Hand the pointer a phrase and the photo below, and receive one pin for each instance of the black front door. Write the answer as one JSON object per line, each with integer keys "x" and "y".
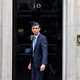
{"x": 49, "y": 14}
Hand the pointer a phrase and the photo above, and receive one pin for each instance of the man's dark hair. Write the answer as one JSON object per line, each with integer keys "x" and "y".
{"x": 35, "y": 24}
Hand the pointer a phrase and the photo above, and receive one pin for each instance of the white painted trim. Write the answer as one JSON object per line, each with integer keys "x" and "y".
{"x": 1, "y": 3}
{"x": 7, "y": 40}
{"x": 64, "y": 51}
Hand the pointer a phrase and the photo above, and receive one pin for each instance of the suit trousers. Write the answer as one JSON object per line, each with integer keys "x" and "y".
{"x": 36, "y": 73}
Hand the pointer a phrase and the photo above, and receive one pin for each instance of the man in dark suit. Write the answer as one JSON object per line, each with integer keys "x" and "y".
{"x": 39, "y": 53}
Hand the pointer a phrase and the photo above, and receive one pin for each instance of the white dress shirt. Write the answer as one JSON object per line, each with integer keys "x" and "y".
{"x": 35, "y": 40}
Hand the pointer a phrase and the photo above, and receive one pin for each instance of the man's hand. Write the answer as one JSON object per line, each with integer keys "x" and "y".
{"x": 29, "y": 66}
{"x": 42, "y": 67}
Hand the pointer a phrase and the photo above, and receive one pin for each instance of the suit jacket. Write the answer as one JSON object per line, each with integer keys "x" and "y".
{"x": 41, "y": 51}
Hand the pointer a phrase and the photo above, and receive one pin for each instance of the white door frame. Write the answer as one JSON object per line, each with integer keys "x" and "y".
{"x": 6, "y": 24}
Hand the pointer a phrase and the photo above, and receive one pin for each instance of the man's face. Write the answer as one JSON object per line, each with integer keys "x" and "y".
{"x": 35, "y": 30}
